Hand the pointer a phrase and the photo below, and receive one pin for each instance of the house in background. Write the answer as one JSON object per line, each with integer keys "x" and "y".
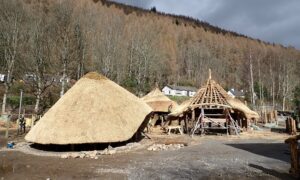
{"x": 2, "y": 78}
{"x": 236, "y": 93}
{"x": 172, "y": 90}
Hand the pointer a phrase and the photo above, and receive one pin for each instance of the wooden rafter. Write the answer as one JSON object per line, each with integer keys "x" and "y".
{"x": 211, "y": 95}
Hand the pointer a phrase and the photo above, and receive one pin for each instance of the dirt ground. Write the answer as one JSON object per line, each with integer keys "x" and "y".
{"x": 259, "y": 154}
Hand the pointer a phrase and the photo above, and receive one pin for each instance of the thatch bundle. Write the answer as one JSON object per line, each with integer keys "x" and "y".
{"x": 94, "y": 110}
{"x": 159, "y": 102}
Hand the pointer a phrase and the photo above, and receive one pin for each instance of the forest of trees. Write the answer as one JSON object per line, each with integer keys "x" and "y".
{"x": 68, "y": 38}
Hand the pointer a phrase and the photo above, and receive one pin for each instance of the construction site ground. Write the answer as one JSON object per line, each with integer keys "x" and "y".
{"x": 254, "y": 154}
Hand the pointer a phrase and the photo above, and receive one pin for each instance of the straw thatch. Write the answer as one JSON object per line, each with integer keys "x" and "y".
{"x": 159, "y": 102}
{"x": 178, "y": 111}
{"x": 240, "y": 106}
{"x": 212, "y": 95}
{"x": 94, "y": 110}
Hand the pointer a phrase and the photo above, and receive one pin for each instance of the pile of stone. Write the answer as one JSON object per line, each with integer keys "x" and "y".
{"x": 86, "y": 154}
{"x": 95, "y": 154}
{"x": 164, "y": 147}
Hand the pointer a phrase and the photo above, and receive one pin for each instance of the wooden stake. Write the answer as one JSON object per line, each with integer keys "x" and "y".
{"x": 293, "y": 142}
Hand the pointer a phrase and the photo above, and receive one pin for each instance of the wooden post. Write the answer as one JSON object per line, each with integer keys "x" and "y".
{"x": 291, "y": 126}
{"x": 269, "y": 116}
{"x": 275, "y": 117}
{"x": 287, "y": 126}
{"x": 193, "y": 117}
{"x": 294, "y": 129}
{"x": 293, "y": 142}
{"x": 162, "y": 120}
{"x": 265, "y": 118}
{"x": 19, "y": 115}
{"x": 20, "y": 104}
{"x": 185, "y": 123}
{"x": 294, "y": 158}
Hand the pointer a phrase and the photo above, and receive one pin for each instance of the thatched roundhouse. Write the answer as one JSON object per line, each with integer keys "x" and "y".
{"x": 94, "y": 110}
{"x": 159, "y": 102}
{"x": 216, "y": 106}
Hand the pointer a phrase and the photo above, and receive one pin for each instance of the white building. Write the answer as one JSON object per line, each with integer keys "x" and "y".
{"x": 2, "y": 78}
{"x": 236, "y": 93}
{"x": 179, "y": 90}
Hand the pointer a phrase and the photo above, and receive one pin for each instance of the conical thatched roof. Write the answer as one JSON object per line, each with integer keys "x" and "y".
{"x": 94, "y": 110}
{"x": 210, "y": 96}
{"x": 158, "y": 101}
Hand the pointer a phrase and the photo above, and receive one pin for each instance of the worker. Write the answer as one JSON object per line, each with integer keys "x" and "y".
{"x": 22, "y": 124}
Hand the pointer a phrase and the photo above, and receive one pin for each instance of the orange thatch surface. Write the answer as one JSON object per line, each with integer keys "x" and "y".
{"x": 159, "y": 102}
{"x": 94, "y": 110}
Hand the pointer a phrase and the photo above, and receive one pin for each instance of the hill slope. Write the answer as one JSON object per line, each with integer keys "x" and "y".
{"x": 137, "y": 48}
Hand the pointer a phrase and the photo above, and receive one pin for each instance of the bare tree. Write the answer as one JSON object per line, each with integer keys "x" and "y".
{"x": 251, "y": 79}
{"x": 65, "y": 41}
{"x": 40, "y": 59}
{"x": 10, "y": 20}
{"x": 80, "y": 51}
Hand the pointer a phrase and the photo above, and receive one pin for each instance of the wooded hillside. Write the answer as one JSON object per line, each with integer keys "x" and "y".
{"x": 135, "y": 48}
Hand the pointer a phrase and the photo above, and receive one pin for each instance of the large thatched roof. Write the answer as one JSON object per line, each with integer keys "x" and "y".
{"x": 158, "y": 101}
{"x": 94, "y": 110}
{"x": 212, "y": 95}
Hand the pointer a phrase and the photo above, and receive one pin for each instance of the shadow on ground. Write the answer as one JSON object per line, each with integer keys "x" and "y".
{"x": 278, "y": 151}
{"x": 272, "y": 172}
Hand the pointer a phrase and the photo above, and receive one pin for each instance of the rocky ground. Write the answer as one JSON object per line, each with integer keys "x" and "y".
{"x": 251, "y": 155}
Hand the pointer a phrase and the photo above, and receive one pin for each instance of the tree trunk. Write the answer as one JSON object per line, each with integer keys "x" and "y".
{"x": 285, "y": 90}
{"x": 251, "y": 81}
{"x": 38, "y": 96}
{"x": 260, "y": 84}
{"x": 5, "y": 98}
{"x": 63, "y": 83}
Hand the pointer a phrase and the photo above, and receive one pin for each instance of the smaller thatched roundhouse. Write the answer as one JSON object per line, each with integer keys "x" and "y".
{"x": 161, "y": 106}
{"x": 94, "y": 110}
{"x": 159, "y": 102}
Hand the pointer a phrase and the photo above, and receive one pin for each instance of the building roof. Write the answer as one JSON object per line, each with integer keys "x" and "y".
{"x": 237, "y": 93}
{"x": 158, "y": 101}
{"x": 212, "y": 95}
{"x": 209, "y": 96}
{"x": 94, "y": 110}
{"x": 183, "y": 88}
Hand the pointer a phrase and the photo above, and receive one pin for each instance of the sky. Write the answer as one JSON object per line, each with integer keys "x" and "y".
{"x": 274, "y": 21}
